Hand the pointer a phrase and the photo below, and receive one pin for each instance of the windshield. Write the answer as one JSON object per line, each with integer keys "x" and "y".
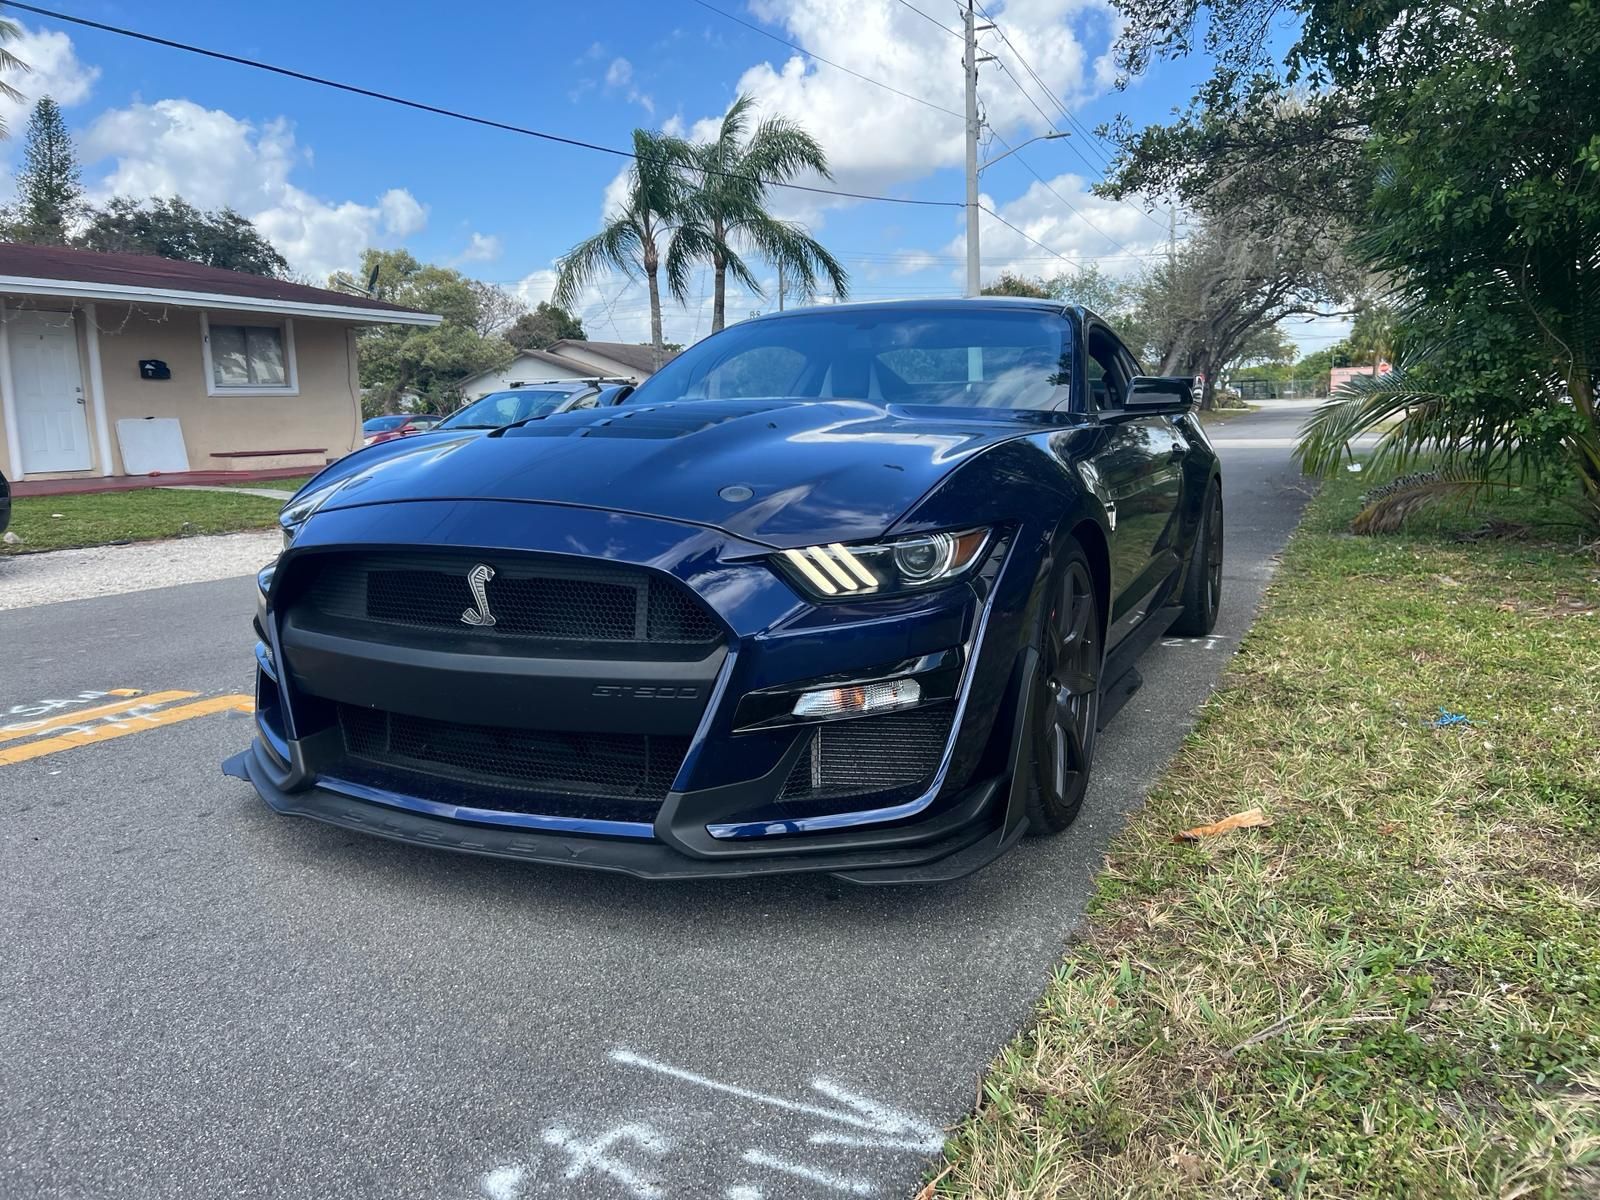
{"x": 502, "y": 408}
{"x": 379, "y": 424}
{"x": 955, "y": 357}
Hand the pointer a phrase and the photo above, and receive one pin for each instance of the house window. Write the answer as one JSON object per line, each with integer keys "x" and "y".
{"x": 245, "y": 359}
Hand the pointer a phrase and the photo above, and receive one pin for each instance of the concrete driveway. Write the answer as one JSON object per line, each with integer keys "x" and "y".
{"x": 199, "y": 998}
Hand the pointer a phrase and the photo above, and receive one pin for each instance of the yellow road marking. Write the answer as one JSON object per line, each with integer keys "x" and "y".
{"x": 78, "y": 715}
{"x": 138, "y": 724}
{"x": 123, "y": 692}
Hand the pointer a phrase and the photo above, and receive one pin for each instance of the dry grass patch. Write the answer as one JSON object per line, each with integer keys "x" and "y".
{"x": 1393, "y": 989}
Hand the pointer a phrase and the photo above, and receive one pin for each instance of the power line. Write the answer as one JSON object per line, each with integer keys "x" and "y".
{"x": 1067, "y": 203}
{"x": 932, "y": 20}
{"x": 1034, "y": 75}
{"x": 829, "y": 62}
{"x": 1028, "y": 236}
{"x": 437, "y": 110}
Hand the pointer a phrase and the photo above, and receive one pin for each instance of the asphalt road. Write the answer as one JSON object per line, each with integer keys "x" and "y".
{"x": 199, "y": 998}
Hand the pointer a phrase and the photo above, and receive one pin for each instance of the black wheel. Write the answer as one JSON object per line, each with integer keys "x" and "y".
{"x": 1066, "y": 699}
{"x": 1202, "y": 588}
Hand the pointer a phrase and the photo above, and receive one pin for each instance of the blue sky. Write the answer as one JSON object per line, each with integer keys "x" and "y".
{"x": 325, "y": 173}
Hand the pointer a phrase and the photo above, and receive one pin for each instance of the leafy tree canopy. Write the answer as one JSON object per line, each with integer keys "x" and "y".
{"x": 174, "y": 228}
{"x": 402, "y": 360}
{"x": 544, "y": 327}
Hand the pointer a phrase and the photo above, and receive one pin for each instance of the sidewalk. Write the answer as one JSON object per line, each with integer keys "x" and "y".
{"x": 47, "y": 578}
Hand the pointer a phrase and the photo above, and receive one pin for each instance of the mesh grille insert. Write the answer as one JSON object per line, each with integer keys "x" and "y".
{"x": 528, "y": 598}
{"x": 871, "y": 754}
{"x": 618, "y": 766}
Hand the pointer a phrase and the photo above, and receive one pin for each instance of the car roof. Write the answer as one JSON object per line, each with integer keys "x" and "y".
{"x": 951, "y": 304}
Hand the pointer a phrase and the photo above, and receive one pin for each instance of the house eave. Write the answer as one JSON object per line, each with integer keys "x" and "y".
{"x": 178, "y": 298}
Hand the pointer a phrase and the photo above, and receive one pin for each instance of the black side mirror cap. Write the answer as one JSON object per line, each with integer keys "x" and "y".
{"x": 1171, "y": 394}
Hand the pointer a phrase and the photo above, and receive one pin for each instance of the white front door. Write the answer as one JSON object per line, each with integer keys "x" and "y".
{"x": 51, "y": 421}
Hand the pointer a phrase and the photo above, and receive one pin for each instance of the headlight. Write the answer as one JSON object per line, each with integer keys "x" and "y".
{"x": 837, "y": 572}
{"x": 298, "y": 511}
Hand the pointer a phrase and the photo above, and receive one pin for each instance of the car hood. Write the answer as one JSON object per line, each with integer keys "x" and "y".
{"x": 781, "y": 472}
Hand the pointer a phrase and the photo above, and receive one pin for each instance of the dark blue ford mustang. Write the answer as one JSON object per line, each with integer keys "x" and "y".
{"x": 849, "y": 589}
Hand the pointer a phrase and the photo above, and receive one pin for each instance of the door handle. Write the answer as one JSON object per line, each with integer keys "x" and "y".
{"x": 80, "y": 399}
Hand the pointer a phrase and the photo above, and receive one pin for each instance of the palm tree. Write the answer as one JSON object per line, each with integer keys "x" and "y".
{"x": 631, "y": 238}
{"x": 727, "y": 209}
{"x": 10, "y": 31}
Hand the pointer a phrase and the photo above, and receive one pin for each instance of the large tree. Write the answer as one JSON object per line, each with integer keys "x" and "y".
{"x": 174, "y": 228}
{"x": 544, "y": 327}
{"x": 631, "y": 240}
{"x": 728, "y": 213}
{"x": 401, "y": 361}
{"x": 49, "y": 186}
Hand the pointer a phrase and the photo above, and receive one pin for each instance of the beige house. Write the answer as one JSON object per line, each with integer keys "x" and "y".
{"x": 126, "y": 364}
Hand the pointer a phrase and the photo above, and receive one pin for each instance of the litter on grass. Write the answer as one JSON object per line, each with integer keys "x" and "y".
{"x": 1248, "y": 819}
{"x": 1447, "y": 718}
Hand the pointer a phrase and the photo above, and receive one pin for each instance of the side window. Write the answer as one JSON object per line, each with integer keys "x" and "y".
{"x": 586, "y": 402}
{"x": 1108, "y": 382}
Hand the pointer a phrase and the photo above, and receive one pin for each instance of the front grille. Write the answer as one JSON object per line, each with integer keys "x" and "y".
{"x": 632, "y": 767}
{"x": 868, "y": 755}
{"x": 529, "y": 598}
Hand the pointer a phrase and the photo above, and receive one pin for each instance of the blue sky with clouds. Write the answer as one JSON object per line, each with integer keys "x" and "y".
{"x": 324, "y": 173}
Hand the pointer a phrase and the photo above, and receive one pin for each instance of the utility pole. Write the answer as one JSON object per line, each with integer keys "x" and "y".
{"x": 970, "y": 62}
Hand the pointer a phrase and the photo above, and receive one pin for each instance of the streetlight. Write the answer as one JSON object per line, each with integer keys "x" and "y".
{"x": 972, "y": 200}
{"x": 1043, "y": 137}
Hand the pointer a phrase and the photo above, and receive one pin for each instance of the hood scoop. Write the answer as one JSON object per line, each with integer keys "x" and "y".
{"x": 650, "y": 422}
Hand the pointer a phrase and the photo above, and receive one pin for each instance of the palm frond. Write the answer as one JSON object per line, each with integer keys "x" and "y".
{"x": 789, "y": 243}
{"x": 1389, "y": 507}
{"x": 617, "y": 245}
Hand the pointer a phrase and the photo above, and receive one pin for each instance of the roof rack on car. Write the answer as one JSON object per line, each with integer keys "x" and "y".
{"x": 523, "y": 383}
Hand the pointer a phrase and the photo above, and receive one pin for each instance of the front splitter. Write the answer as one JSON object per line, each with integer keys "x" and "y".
{"x": 952, "y": 856}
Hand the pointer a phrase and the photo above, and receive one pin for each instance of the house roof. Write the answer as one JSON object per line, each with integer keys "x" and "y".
{"x": 629, "y": 354}
{"x": 91, "y": 274}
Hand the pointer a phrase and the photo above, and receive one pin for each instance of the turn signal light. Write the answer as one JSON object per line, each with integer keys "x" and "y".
{"x": 858, "y": 700}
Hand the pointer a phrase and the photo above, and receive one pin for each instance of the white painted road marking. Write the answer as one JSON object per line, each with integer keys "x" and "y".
{"x": 886, "y": 1128}
{"x": 840, "y": 1183}
{"x": 595, "y": 1156}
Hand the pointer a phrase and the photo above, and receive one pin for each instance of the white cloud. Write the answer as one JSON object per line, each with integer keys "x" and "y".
{"x": 875, "y": 139}
{"x": 1116, "y": 236}
{"x": 212, "y": 158}
{"x": 619, "y": 77}
{"x": 481, "y": 247}
{"x": 55, "y": 72}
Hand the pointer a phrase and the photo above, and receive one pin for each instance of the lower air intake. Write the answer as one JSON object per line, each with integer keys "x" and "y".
{"x": 871, "y": 755}
{"x": 634, "y": 767}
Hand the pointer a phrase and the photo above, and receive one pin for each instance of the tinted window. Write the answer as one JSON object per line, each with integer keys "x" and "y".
{"x": 956, "y": 357}
{"x": 502, "y": 408}
{"x": 1107, "y": 385}
{"x": 379, "y": 424}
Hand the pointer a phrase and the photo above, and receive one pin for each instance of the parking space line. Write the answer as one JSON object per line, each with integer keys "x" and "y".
{"x": 78, "y": 715}
{"x": 132, "y": 724}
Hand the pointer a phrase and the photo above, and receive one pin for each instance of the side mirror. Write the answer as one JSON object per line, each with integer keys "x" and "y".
{"x": 1169, "y": 394}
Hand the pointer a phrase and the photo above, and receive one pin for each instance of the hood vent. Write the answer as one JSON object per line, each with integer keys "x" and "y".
{"x": 651, "y": 422}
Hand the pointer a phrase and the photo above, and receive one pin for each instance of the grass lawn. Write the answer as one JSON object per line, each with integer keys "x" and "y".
{"x": 1393, "y": 989}
{"x": 285, "y": 485}
{"x": 98, "y": 518}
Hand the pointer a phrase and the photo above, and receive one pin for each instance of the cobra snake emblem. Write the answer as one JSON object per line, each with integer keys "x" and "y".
{"x": 478, "y": 580}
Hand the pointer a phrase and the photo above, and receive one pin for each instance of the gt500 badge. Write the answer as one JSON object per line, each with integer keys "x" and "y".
{"x": 646, "y": 692}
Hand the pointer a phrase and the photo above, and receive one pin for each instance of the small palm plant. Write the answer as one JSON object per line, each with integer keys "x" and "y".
{"x": 727, "y": 210}
{"x": 632, "y": 238}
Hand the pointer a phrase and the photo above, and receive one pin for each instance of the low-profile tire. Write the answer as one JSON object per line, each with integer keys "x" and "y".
{"x": 1066, "y": 696}
{"x": 1202, "y": 587}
